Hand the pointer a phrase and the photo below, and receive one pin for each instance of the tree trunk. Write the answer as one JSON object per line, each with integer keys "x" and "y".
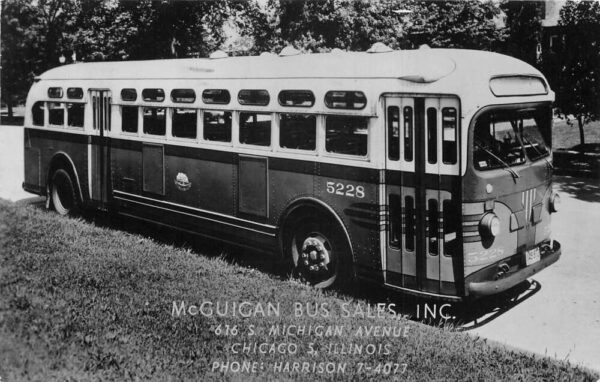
{"x": 581, "y": 135}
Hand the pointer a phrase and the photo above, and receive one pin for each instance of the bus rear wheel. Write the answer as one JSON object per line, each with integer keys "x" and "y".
{"x": 62, "y": 193}
{"x": 320, "y": 254}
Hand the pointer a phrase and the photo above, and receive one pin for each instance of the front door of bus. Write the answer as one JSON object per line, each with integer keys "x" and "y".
{"x": 100, "y": 146}
{"x": 422, "y": 191}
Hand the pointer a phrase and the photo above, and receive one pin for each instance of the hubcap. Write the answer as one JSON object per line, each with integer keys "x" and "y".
{"x": 315, "y": 256}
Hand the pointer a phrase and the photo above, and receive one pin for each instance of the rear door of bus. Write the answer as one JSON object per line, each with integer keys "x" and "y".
{"x": 423, "y": 194}
{"x": 100, "y": 146}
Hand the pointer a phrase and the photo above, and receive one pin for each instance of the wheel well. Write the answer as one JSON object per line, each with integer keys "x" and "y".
{"x": 62, "y": 161}
{"x": 303, "y": 208}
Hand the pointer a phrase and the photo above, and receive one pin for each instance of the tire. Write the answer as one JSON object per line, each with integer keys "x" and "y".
{"x": 62, "y": 193}
{"x": 319, "y": 253}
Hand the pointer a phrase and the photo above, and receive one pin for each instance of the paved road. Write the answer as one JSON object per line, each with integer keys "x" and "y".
{"x": 561, "y": 319}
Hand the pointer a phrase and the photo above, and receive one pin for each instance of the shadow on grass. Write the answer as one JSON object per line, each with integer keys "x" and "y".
{"x": 458, "y": 316}
{"x": 584, "y": 189}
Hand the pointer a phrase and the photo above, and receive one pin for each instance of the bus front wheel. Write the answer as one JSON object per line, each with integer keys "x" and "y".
{"x": 320, "y": 254}
{"x": 62, "y": 193}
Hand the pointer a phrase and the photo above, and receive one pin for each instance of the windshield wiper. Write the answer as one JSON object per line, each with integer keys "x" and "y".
{"x": 506, "y": 165}
{"x": 538, "y": 152}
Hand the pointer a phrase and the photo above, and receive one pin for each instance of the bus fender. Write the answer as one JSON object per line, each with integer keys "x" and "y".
{"x": 315, "y": 204}
{"x": 62, "y": 160}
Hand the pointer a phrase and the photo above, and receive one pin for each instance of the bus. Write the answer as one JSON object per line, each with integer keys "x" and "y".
{"x": 427, "y": 171}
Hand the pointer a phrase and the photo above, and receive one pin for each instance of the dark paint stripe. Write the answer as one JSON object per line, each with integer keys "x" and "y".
{"x": 57, "y": 135}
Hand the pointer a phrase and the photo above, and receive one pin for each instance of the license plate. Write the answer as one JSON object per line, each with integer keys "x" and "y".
{"x": 532, "y": 256}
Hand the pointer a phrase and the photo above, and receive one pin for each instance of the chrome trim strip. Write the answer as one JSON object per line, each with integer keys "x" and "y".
{"x": 194, "y": 209}
{"x": 454, "y": 298}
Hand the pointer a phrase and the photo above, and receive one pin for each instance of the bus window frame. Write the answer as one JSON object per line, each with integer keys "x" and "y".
{"x": 47, "y": 115}
{"x": 209, "y": 142}
{"x": 297, "y": 151}
{"x": 171, "y": 113}
{"x": 235, "y": 125}
{"x": 77, "y": 128}
{"x": 139, "y": 124}
{"x": 163, "y": 137}
{"x": 323, "y": 147}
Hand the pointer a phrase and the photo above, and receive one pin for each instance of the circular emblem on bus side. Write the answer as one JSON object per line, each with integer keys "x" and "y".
{"x": 182, "y": 182}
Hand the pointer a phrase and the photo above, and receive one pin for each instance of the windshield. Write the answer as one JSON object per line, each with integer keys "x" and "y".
{"x": 507, "y": 137}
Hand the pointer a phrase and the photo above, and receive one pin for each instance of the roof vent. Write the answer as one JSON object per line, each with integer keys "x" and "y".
{"x": 218, "y": 54}
{"x": 424, "y": 47}
{"x": 267, "y": 54}
{"x": 289, "y": 51}
{"x": 379, "y": 47}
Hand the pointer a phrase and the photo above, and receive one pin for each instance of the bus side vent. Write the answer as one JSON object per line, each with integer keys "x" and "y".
{"x": 289, "y": 51}
{"x": 379, "y": 47}
{"x": 218, "y": 54}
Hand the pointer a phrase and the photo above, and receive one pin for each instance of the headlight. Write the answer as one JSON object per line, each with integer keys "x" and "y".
{"x": 554, "y": 202}
{"x": 490, "y": 225}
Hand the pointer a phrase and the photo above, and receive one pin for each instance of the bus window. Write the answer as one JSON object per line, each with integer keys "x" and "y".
{"x": 297, "y": 131}
{"x": 37, "y": 112}
{"x": 298, "y": 98}
{"x": 75, "y": 93}
{"x": 255, "y": 129}
{"x": 56, "y": 113}
{"x": 449, "y": 132}
{"x": 393, "y": 133}
{"x": 55, "y": 92}
{"x": 217, "y": 125}
{"x": 184, "y": 123}
{"x": 496, "y": 143}
{"x": 128, "y": 94}
{"x": 408, "y": 133}
{"x": 75, "y": 113}
{"x": 216, "y": 96}
{"x": 346, "y": 135}
{"x": 154, "y": 121}
{"x": 253, "y": 97}
{"x": 432, "y": 135}
{"x": 433, "y": 226}
{"x": 183, "y": 95}
{"x": 129, "y": 119}
{"x": 153, "y": 95}
{"x": 345, "y": 100}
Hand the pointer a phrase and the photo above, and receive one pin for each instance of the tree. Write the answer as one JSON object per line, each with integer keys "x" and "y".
{"x": 31, "y": 37}
{"x": 523, "y": 24}
{"x": 575, "y": 73}
{"x": 149, "y": 29}
{"x": 356, "y": 25}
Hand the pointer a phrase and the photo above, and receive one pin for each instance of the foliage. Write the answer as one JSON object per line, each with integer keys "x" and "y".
{"x": 34, "y": 36}
{"x": 31, "y": 35}
{"x": 573, "y": 67}
{"x": 356, "y": 25}
{"x": 523, "y": 24}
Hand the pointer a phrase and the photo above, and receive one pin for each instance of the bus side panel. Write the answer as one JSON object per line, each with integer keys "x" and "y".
{"x": 200, "y": 178}
{"x": 43, "y": 145}
{"x": 353, "y": 193}
{"x": 288, "y": 180}
{"x": 126, "y": 165}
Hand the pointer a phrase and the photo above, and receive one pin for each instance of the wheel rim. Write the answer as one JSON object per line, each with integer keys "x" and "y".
{"x": 314, "y": 259}
{"x": 62, "y": 197}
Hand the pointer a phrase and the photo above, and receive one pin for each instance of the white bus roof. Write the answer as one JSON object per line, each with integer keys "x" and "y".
{"x": 422, "y": 65}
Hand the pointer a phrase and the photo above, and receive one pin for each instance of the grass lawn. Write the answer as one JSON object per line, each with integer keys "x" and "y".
{"x": 82, "y": 302}
{"x": 565, "y": 136}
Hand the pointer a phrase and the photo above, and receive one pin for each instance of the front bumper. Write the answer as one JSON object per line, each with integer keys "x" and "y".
{"x": 486, "y": 288}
